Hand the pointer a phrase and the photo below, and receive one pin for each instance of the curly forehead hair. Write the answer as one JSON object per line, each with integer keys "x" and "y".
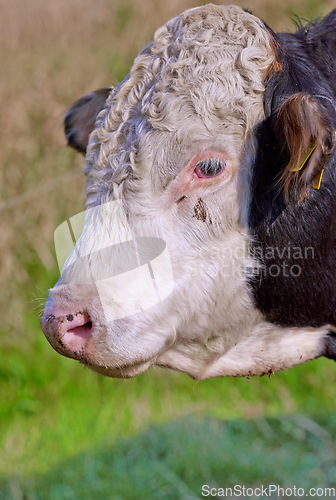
{"x": 204, "y": 70}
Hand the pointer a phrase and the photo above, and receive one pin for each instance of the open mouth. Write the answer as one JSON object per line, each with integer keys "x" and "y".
{"x": 77, "y": 330}
{"x": 83, "y": 331}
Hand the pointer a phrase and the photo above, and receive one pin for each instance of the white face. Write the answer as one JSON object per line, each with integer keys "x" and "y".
{"x": 168, "y": 148}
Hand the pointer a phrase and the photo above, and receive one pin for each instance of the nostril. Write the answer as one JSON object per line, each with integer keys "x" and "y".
{"x": 69, "y": 317}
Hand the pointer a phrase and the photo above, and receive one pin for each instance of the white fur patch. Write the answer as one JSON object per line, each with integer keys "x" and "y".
{"x": 266, "y": 349}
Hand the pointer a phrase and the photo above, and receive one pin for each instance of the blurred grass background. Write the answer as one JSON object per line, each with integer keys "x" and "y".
{"x": 65, "y": 432}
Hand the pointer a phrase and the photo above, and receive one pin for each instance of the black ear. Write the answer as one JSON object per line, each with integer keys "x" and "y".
{"x": 305, "y": 125}
{"x": 81, "y": 117}
{"x": 296, "y": 141}
{"x": 293, "y": 146}
{"x": 300, "y": 104}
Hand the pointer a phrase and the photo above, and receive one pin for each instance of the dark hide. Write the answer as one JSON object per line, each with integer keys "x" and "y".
{"x": 286, "y": 212}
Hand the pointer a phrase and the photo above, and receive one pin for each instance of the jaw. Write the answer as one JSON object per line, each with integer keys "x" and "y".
{"x": 264, "y": 349}
{"x": 127, "y": 371}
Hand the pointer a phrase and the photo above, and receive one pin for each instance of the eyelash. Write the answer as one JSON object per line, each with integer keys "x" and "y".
{"x": 209, "y": 167}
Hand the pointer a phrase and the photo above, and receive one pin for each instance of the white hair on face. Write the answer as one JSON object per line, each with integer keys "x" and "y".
{"x": 202, "y": 76}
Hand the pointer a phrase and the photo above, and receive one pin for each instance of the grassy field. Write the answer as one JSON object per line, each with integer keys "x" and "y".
{"x": 65, "y": 432}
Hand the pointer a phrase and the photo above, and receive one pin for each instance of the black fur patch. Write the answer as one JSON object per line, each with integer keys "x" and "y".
{"x": 296, "y": 283}
{"x": 304, "y": 295}
{"x": 80, "y": 119}
{"x": 330, "y": 346}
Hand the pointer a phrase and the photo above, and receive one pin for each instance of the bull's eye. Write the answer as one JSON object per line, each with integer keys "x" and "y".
{"x": 209, "y": 167}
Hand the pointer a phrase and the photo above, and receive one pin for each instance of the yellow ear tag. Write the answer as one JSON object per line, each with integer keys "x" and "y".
{"x": 310, "y": 152}
{"x": 318, "y": 179}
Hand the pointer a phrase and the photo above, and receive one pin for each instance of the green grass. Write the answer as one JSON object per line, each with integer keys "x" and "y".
{"x": 174, "y": 460}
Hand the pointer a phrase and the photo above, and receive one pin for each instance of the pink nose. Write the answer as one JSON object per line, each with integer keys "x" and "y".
{"x": 72, "y": 331}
